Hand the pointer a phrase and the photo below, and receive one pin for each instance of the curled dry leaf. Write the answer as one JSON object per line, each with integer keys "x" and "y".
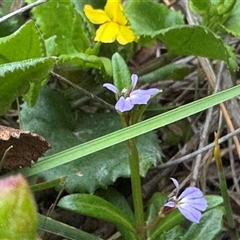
{"x": 26, "y": 146}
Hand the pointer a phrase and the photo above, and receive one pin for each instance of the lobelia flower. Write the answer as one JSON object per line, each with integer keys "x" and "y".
{"x": 190, "y": 203}
{"x": 114, "y": 25}
{"x": 130, "y": 97}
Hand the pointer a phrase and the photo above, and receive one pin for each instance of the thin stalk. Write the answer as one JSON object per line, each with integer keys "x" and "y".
{"x": 223, "y": 187}
{"x": 4, "y": 157}
{"x": 136, "y": 183}
{"x": 135, "y": 179}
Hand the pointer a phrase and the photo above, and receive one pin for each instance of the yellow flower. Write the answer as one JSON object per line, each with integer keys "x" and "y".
{"x": 114, "y": 25}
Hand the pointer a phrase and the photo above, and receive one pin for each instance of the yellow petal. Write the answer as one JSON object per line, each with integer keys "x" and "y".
{"x": 96, "y": 16}
{"x": 107, "y": 32}
{"x": 125, "y": 35}
{"x": 114, "y": 10}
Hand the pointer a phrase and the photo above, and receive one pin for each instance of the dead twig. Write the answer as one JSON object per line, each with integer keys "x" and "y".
{"x": 190, "y": 156}
{"x": 207, "y": 68}
{"x": 21, "y": 10}
{"x": 91, "y": 95}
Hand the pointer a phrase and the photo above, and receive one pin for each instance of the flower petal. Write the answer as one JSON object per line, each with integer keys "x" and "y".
{"x": 111, "y": 87}
{"x": 138, "y": 98}
{"x": 107, "y": 32}
{"x": 190, "y": 213}
{"x": 123, "y": 104}
{"x": 142, "y": 96}
{"x": 125, "y": 35}
{"x": 175, "y": 182}
{"x": 191, "y": 192}
{"x": 134, "y": 78}
{"x": 197, "y": 203}
{"x": 170, "y": 204}
{"x": 114, "y": 10}
{"x": 96, "y": 16}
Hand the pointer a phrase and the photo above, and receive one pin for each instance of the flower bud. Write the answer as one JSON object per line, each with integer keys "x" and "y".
{"x": 18, "y": 217}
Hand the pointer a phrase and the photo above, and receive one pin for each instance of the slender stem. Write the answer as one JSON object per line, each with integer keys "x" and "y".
{"x": 135, "y": 178}
{"x": 223, "y": 187}
{"x": 136, "y": 183}
{"x": 4, "y": 157}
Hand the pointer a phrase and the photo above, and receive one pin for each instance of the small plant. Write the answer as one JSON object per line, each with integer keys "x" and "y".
{"x": 101, "y": 120}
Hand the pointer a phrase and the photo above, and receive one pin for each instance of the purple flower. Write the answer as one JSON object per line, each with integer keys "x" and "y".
{"x": 130, "y": 97}
{"x": 190, "y": 203}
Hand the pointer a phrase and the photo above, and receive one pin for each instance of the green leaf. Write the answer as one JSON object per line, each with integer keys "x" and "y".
{"x": 175, "y": 234}
{"x": 122, "y": 135}
{"x": 198, "y": 41}
{"x": 114, "y": 197}
{"x": 96, "y": 207}
{"x": 121, "y": 74}
{"x": 148, "y": 18}
{"x": 173, "y": 219}
{"x": 120, "y": 202}
{"x": 25, "y": 43}
{"x": 99, "y": 169}
{"x": 82, "y": 60}
{"x": 213, "y": 201}
{"x": 154, "y": 205}
{"x": 10, "y": 25}
{"x": 16, "y": 78}
{"x": 232, "y": 24}
{"x": 184, "y": 40}
{"x": 60, "y": 22}
{"x": 170, "y": 71}
{"x": 214, "y": 13}
{"x": 209, "y": 226}
{"x": 58, "y": 228}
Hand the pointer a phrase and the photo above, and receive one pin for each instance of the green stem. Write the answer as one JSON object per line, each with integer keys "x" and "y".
{"x": 135, "y": 179}
{"x": 223, "y": 187}
{"x": 136, "y": 183}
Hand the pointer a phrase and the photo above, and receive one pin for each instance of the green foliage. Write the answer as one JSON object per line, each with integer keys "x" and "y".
{"x": 61, "y": 26}
{"x": 170, "y": 71}
{"x": 107, "y": 165}
{"x": 23, "y": 66}
{"x": 58, "y": 228}
{"x": 114, "y": 197}
{"x": 218, "y": 15}
{"x": 173, "y": 219}
{"x": 121, "y": 135}
{"x": 97, "y": 207}
{"x": 76, "y": 61}
{"x": 168, "y": 228}
{"x": 198, "y": 41}
{"x": 120, "y": 202}
{"x": 9, "y": 26}
{"x": 149, "y": 19}
{"x": 23, "y": 78}
{"x": 18, "y": 209}
{"x": 179, "y": 39}
{"x": 121, "y": 74}
{"x": 154, "y": 205}
{"x": 25, "y": 43}
{"x": 165, "y": 227}
{"x": 213, "y": 201}
{"x": 209, "y": 226}
{"x": 232, "y": 24}
{"x": 88, "y": 149}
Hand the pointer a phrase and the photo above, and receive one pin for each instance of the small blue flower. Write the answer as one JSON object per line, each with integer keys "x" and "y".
{"x": 130, "y": 97}
{"x": 190, "y": 203}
